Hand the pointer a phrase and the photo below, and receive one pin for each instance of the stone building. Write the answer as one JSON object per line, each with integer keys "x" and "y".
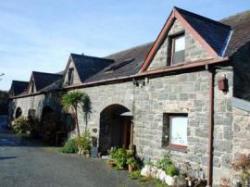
{"x": 185, "y": 93}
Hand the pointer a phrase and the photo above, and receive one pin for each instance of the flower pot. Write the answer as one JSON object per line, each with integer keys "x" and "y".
{"x": 111, "y": 163}
{"x": 87, "y": 155}
{"x": 130, "y": 168}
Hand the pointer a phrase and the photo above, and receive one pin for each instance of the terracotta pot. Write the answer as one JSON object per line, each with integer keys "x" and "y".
{"x": 111, "y": 163}
{"x": 130, "y": 168}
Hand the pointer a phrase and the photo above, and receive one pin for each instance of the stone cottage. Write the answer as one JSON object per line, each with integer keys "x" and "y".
{"x": 185, "y": 93}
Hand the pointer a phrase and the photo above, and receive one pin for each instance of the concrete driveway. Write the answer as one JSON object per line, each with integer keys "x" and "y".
{"x": 25, "y": 164}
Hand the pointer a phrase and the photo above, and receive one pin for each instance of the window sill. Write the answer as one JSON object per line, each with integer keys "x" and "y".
{"x": 179, "y": 148}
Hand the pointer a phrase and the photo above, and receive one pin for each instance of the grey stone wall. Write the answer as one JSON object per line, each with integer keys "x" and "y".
{"x": 27, "y": 103}
{"x": 37, "y": 103}
{"x": 223, "y": 130}
{"x": 193, "y": 51}
{"x": 180, "y": 93}
{"x": 241, "y": 132}
{"x": 103, "y": 97}
{"x": 183, "y": 93}
{"x": 76, "y": 78}
{"x": 241, "y": 135}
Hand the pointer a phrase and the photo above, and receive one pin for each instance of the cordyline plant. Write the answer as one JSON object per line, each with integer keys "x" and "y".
{"x": 72, "y": 101}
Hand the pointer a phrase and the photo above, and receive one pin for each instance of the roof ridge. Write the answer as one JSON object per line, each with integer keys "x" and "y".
{"x": 89, "y": 56}
{"x": 20, "y": 81}
{"x": 131, "y": 48}
{"x": 236, "y": 14}
{"x": 202, "y": 17}
{"x": 46, "y": 73}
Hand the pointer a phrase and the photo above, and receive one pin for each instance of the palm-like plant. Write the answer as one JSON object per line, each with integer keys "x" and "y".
{"x": 72, "y": 100}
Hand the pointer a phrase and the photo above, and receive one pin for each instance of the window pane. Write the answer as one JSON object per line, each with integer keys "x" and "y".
{"x": 178, "y": 130}
{"x": 180, "y": 44}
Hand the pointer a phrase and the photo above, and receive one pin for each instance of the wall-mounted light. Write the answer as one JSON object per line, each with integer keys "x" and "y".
{"x": 223, "y": 84}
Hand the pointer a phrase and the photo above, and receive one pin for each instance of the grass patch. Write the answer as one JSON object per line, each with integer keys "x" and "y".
{"x": 159, "y": 183}
{"x": 135, "y": 175}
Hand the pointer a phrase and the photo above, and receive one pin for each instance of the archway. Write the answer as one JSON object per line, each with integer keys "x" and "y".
{"x": 115, "y": 128}
{"x": 18, "y": 112}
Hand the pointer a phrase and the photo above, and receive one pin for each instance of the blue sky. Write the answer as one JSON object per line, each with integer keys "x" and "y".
{"x": 40, "y": 34}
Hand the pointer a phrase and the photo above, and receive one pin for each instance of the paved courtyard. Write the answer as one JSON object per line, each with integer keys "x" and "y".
{"x": 25, "y": 164}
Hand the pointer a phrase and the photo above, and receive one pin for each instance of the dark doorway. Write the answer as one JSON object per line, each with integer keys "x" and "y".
{"x": 115, "y": 129}
{"x": 53, "y": 129}
{"x": 18, "y": 112}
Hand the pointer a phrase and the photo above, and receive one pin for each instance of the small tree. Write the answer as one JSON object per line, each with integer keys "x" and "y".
{"x": 72, "y": 100}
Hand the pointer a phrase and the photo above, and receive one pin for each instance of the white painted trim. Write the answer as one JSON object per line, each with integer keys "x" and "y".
{"x": 228, "y": 40}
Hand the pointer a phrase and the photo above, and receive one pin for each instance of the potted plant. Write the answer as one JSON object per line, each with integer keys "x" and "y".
{"x": 132, "y": 164}
{"x": 111, "y": 163}
{"x": 84, "y": 144}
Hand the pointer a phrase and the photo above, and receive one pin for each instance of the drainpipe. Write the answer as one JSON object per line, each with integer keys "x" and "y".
{"x": 211, "y": 126}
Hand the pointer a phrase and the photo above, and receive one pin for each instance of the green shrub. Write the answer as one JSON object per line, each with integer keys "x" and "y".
{"x": 120, "y": 157}
{"x": 20, "y": 125}
{"x": 135, "y": 175}
{"x": 133, "y": 162}
{"x": 84, "y": 142}
{"x": 167, "y": 165}
{"x": 70, "y": 146}
{"x": 165, "y": 162}
{"x": 171, "y": 170}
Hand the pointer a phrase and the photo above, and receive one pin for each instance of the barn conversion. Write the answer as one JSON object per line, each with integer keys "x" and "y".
{"x": 185, "y": 93}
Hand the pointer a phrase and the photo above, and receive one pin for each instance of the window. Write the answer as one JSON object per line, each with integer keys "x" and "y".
{"x": 32, "y": 87}
{"x": 175, "y": 130}
{"x": 116, "y": 66}
{"x": 177, "y": 49}
{"x": 70, "y": 76}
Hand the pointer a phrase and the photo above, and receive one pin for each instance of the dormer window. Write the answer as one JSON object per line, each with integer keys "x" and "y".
{"x": 32, "y": 87}
{"x": 177, "y": 49}
{"x": 70, "y": 76}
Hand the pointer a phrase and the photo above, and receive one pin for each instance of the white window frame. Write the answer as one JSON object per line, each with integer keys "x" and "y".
{"x": 179, "y": 43}
{"x": 178, "y": 125}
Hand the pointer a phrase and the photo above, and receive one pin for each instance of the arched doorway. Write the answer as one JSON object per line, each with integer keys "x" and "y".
{"x": 18, "y": 112}
{"x": 115, "y": 128}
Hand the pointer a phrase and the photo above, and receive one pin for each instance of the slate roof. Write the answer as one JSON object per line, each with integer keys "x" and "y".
{"x": 53, "y": 86}
{"x": 87, "y": 66}
{"x": 216, "y": 34}
{"x": 240, "y": 24}
{"x": 227, "y": 35}
{"x": 18, "y": 87}
{"x": 218, "y": 38}
{"x": 127, "y": 62}
{"x": 42, "y": 79}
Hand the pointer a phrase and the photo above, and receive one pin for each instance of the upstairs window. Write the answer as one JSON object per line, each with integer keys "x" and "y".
{"x": 177, "y": 49}
{"x": 70, "y": 76}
